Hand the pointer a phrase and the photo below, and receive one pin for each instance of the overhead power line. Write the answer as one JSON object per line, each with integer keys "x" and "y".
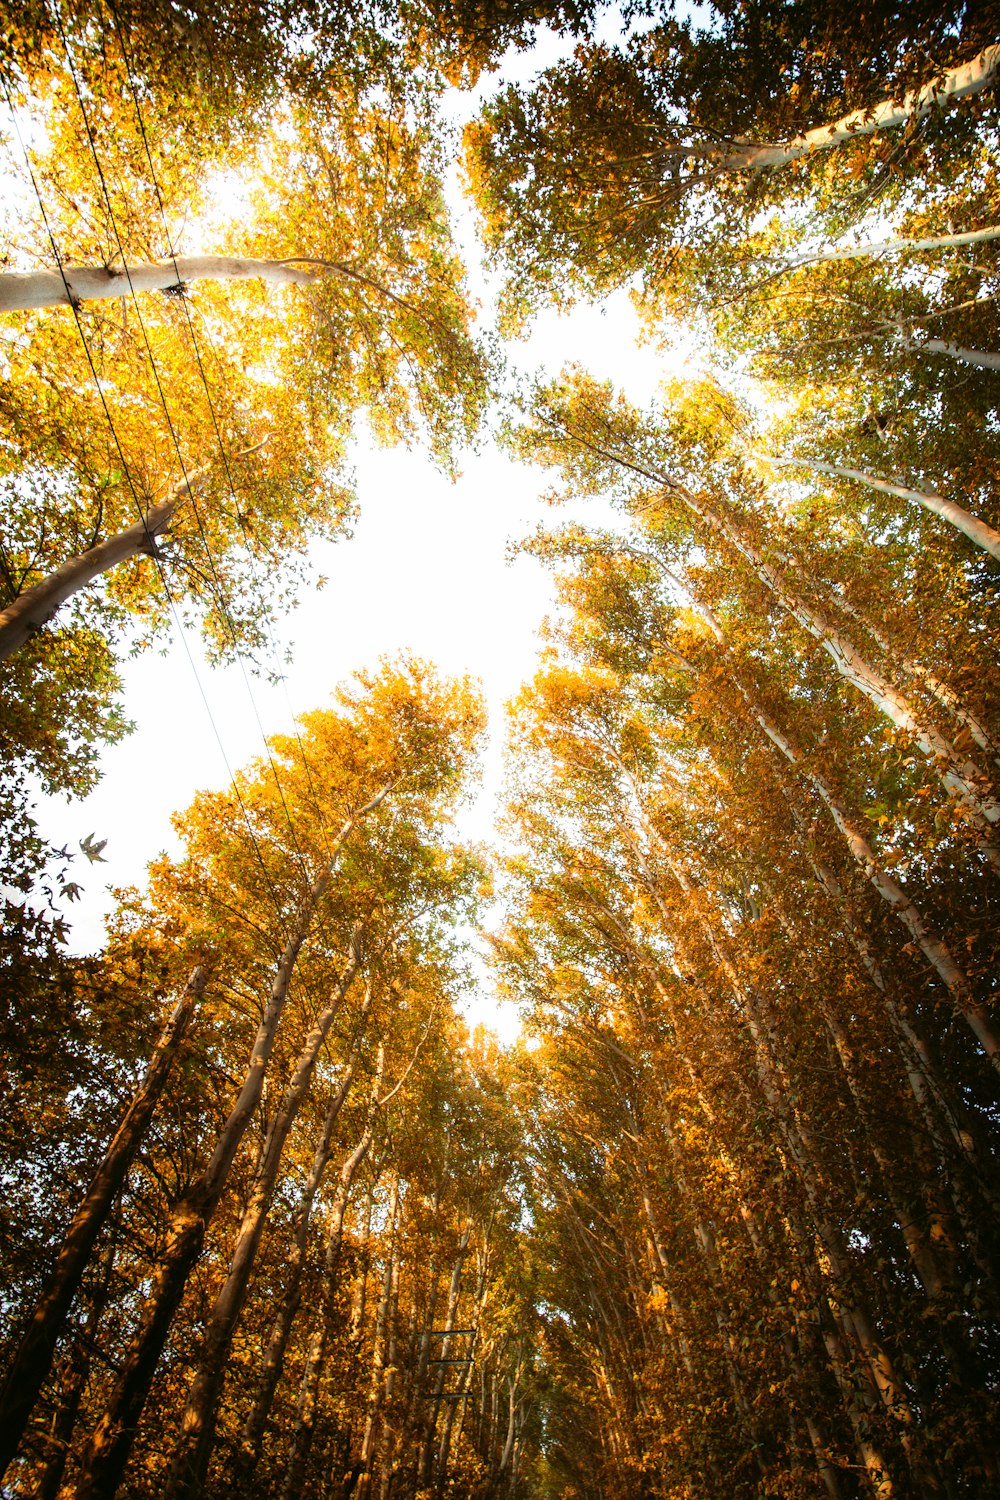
{"x": 211, "y": 407}
{"x": 139, "y": 507}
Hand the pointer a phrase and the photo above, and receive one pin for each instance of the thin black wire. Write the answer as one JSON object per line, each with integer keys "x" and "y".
{"x": 73, "y": 301}
{"x": 220, "y": 592}
{"x": 215, "y": 421}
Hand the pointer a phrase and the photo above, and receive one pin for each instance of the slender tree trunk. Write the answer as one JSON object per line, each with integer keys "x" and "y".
{"x": 931, "y": 945}
{"x": 945, "y": 695}
{"x": 972, "y": 1197}
{"x": 110, "y": 1444}
{"x": 977, "y": 531}
{"x": 21, "y": 290}
{"x": 376, "y": 1387}
{"x": 958, "y": 775}
{"x": 980, "y": 359}
{"x": 73, "y": 1385}
{"x": 193, "y": 1448}
{"x": 451, "y": 1318}
{"x": 31, "y": 610}
{"x": 274, "y": 1358}
{"x": 851, "y": 1388}
{"x": 34, "y": 607}
{"x": 305, "y": 1417}
{"x": 805, "y": 1154}
{"x": 903, "y": 1196}
{"x": 33, "y": 1359}
{"x": 425, "y": 1465}
{"x": 483, "y": 1259}
{"x": 387, "y": 1440}
{"x": 857, "y": 252}
{"x": 952, "y": 83}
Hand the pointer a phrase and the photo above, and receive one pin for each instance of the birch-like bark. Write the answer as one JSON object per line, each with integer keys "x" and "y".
{"x": 192, "y": 1450}
{"x": 110, "y": 1445}
{"x": 977, "y": 531}
{"x": 33, "y": 1360}
{"x": 920, "y": 931}
{"x": 933, "y": 947}
{"x": 859, "y": 252}
{"x": 952, "y": 84}
{"x": 274, "y": 1358}
{"x": 980, "y": 359}
{"x": 851, "y": 1390}
{"x": 957, "y": 773}
{"x": 945, "y": 695}
{"x": 35, "y": 607}
{"x": 68, "y": 287}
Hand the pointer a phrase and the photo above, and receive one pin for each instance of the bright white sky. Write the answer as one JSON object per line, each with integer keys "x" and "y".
{"x": 425, "y": 572}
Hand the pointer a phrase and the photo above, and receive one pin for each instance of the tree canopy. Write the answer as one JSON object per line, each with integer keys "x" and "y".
{"x": 277, "y": 1220}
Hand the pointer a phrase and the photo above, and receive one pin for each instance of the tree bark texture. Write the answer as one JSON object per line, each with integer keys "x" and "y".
{"x": 977, "y": 531}
{"x": 951, "y": 84}
{"x": 980, "y": 359}
{"x": 931, "y": 945}
{"x": 23, "y": 290}
{"x": 34, "y": 608}
{"x": 302, "y": 1433}
{"x": 274, "y": 1358}
{"x": 858, "y": 252}
{"x": 960, "y": 776}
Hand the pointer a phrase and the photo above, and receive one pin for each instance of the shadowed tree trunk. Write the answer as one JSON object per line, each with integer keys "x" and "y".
{"x": 194, "y": 1444}
{"x": 33, "y": 1359}
{"x": 110, "y": 1445}
{"x": 253, "y": 1429}
{"x": 35, "y": 607}
{"x": 305, "y": 1417}
{"x": 950, "y": 84}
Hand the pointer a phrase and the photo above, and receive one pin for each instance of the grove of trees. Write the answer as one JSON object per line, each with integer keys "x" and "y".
{"x": 723, "y": 1222}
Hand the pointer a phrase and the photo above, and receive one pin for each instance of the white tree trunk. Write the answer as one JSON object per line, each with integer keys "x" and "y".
{"x": 21, "y": 290}
{"x": 977, "y": 531}
{"x": 981, "y": 359}
{"x": 934, "y": 948}
{"x": 945, "y": 695}
{"x": 33, "y": 608}
{"x": 953, "y": 83}
{"x": 959, "y": 775}
{"x": 858, "y": 252}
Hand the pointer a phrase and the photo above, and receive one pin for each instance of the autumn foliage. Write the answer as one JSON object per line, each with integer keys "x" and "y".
{"x": 723, "y": 1222}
